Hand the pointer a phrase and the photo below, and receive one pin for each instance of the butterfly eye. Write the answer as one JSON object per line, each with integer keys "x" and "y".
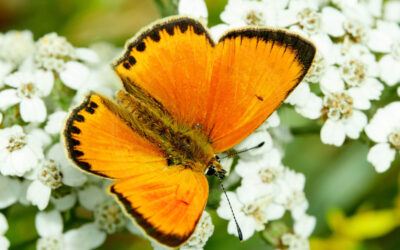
{"x": 211, "y": 171}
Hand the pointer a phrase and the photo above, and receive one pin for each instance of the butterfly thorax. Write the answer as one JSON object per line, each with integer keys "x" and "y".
{"x": 182, "y": 145}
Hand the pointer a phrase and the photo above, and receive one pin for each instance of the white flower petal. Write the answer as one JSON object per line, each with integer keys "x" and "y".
{"x": 392, "y": 10}
{"x": 332, "y": 21}
{"x": 55, "y": 122}
{"x": 223, "y": 210}
{"x": 275, "y": 211}
{"x": 381, "y": 156}
{"x": 384, "y": 122}
{"x": 91, "y": 196}
{"x": 33, "y": 110}
{"x": 86, "y": 237}
{"x": 49, "y": 224}
{"x": 74, "y": 75}
{"x": 72, "y": 176}
{"x": 273, "y": 120}
{"x": 379, "y": 41}
{"x": 18, "y": 78}
{"x": 331, "y": 81}
{"x": 218, "y": 30}
{"x": 4, "y": 243}
{"x": 300, "y": 95}
{"x": 354, "y": 124}
{"x": 64, "y": 203}
{"x": 38, "y": 139}
{"x": 44, "y": 81}
{"x": 10, "y": 190}
{"x": 333, "y": 133}
{"x": 3, "y": 224}
{"x": 5, "y": 69}
{"x": 38, "y": 194}
{"x": 304, "y": 226}
{"x": 389, "y": 70}
{"x": 87, "y": 55}
{"x": 247, "y": 226}
{"x": 8, "y": 98}
{"x": 311, "y": 108}
{"x": 193, "y": 8}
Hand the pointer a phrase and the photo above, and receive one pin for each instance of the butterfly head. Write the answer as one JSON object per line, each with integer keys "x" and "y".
{"x": 215, "y": 168}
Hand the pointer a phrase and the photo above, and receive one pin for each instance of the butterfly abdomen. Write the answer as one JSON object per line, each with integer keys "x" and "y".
{"x": 182, "y": 146}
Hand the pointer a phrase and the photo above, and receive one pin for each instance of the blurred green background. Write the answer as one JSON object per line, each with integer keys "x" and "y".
{"x": 335, "y": 177}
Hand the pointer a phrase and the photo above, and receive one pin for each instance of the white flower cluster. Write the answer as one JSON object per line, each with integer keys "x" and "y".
{"x": 38, "y": 78}
{"x": 358, "y": 48}
{"x": 268, "y": 189}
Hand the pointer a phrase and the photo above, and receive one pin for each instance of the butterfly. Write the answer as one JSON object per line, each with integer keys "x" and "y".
{"x": 185, "y": 99}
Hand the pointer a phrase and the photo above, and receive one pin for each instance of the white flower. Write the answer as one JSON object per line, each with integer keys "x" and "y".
{"x": 384, "y": 129}
{"x": 19, "y": 152}
{"x": 342, "y": 107}
{"x": 295, "y": 242}
{"x": 304, "y": 16}
{"x": 28, "y": 89}
{"x": 55, "y": 122}
{"x": 194, "y": 8}
{"x": 4, "y": 243}
{"x": 15, "y": 46}
{"x": 203, "y": 231}
{"x": 291, "y": 192}
{"x": 238, "y": 13}
{"x": 50, "y": 229}
{"x": 54, "y": 52}
{"x": 10, "y": 190}
{"x": 386, "y": 39}
{"x": 48, "y": 178}
{"x": 109, "y": 217}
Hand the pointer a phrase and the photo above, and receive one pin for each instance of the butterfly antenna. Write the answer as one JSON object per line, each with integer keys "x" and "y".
{"x": 239, "y": 231}
{"x": 244, "y": 150}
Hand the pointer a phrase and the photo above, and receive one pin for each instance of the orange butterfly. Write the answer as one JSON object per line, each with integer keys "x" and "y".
{"x": 185, "y": 99}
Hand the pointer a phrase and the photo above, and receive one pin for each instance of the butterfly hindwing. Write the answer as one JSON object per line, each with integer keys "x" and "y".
{"x": 167, "y": 204}
{"x": 166, "y": 201}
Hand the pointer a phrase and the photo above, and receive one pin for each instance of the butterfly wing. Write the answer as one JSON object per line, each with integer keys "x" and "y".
{"x": 167, "y": 204}
{"x": 172, "y": 62}
{"x": 166, "y": 201}
{"x": 254, "y": 70}
{"x": 100, "y": 141}
{"x": 227, "y": 89}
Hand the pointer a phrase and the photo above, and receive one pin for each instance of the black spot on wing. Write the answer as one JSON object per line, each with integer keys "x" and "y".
{"x": 127, "y": 65}
{"x": 183, "y": 23}
{"x": 141, "y": 47}
{"x": 131, "y": 60}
